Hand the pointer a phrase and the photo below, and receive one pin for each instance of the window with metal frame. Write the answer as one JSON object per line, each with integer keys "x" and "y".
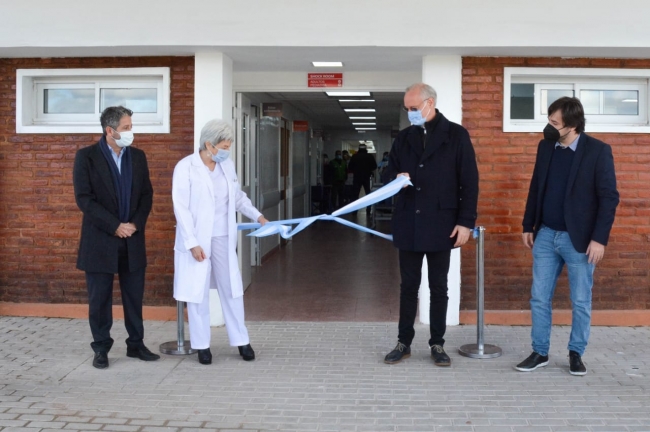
{"x": 614, "y": 100}
{"x": 71, "y": 100}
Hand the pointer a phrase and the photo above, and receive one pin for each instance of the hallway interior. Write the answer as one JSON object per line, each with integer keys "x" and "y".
{"x": 328, "y": 272}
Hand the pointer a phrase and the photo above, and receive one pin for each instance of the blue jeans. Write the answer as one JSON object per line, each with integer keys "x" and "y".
{"x": 551, "y": 250}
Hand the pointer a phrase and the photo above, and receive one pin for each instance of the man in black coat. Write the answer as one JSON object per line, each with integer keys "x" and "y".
{"x": 114, "y": 193}
{"x": 569, "y": 213}
{"x": 362, "y": 165}
{"x": 434, "y": 215}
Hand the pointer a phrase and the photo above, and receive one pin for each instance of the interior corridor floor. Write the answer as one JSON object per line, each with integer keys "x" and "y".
{"x": 328, "y": 272}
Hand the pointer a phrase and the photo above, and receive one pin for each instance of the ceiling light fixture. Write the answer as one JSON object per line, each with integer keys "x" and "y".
{"x": 365, "y": 128}
{"x": 364, "y": 124}
{"x": 359, "y": 110}
{"x": 348, "y": 93}
{"x": 356, "y": 100}
{"x": 363, "y": 118}
{"x": 326, "y": 64}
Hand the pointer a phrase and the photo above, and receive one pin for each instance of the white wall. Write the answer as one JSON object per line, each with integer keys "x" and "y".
{"x": 444, "y": 73}
{"x": 461, "y": 23}
{"x": 212, "y": 99}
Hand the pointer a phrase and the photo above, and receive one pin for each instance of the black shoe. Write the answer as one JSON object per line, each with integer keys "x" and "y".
{"x": 440, "y": 357}
{"x": 205, "y": 356}
{"x": 533, "y": 362}
{"x": 142, "y": 353}
{"x": 576, "y": 366}
{"x": 399, "y": 353}
{"x": 246, "y": 351}
{"x": 101, "y": 360}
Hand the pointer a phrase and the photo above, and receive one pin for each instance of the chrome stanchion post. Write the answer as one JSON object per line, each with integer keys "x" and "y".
{"x": 179, "y": 346}
{"x": 479, "y": 349}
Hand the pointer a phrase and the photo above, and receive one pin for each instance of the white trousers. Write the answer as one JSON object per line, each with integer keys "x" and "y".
{"x": 233, "y": 308}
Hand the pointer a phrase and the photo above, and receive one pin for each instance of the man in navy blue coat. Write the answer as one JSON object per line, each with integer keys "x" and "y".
{"x": 433, "y": 216}
{"x": 113, "y": 191}
{"x": 569, "y": 213}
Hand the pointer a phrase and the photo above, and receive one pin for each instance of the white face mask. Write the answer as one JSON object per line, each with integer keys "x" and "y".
{"x": 126, "y": 139}
{"x": 221, "y": 155}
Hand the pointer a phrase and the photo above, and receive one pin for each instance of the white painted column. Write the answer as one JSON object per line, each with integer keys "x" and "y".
{"x": 444, "y": 73}
{"x": 213, "y": 98}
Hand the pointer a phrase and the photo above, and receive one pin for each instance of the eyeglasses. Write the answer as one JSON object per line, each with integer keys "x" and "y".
{"x": 414, "y": 109}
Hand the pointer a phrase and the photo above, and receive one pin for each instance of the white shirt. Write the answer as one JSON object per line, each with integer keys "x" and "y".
{"x": 218, "y": 177}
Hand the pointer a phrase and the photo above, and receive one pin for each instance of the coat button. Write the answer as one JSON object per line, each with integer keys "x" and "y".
{"x": 417, "y": 212}
{"x": 417, "y": 188}
{"x": 421, "y": 165}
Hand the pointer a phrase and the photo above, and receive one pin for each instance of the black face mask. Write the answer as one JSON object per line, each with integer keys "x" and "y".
{"x": 552, "y": 134}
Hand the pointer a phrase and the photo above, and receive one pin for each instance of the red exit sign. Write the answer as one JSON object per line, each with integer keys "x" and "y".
{"x": 324, "y": 80}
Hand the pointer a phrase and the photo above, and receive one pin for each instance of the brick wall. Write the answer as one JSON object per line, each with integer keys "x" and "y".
{"x": 39, "y": 220}
{"x": 506, "y": 163}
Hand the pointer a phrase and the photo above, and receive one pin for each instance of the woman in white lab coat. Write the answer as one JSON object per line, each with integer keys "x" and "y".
{"x": 206, "y": 196}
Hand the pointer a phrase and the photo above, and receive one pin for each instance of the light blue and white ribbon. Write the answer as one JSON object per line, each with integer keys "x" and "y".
{"x": 284, "y": 227}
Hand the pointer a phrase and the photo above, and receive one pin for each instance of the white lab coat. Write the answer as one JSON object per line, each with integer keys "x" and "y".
{"x": 194, "y": 208}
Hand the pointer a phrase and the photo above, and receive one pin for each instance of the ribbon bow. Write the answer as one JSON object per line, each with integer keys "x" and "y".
{"x": 284, "y": 227}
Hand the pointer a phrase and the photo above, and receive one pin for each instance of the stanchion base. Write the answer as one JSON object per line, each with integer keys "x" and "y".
{"x": 174, "y": 348}
{"x": 472, "y": 351}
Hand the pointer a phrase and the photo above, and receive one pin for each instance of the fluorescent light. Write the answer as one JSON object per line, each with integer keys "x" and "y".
{"x": 630, "y": 100}
{"x": 364, "y": 124}
{"x": 327, "y": 64}
{"x": 363, "y": 118}
{"x": 356, "y": 100}
{"x": 365, "y": 128}
{"x": 347, "y": 93}
{"x": 359, "y": 110}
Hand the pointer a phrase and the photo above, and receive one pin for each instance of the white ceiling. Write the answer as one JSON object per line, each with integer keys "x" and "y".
{"x": 328, "y": 112}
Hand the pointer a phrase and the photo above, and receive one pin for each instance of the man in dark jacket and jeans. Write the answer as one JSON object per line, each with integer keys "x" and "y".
{"x": 434, "y": 215}
{"x": 569, "y": 213}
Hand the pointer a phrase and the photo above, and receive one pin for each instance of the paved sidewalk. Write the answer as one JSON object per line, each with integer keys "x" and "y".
{"x": 318, "y": 377}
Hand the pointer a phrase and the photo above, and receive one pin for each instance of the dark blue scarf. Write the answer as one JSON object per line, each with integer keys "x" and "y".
{"x": 122, "y": 179}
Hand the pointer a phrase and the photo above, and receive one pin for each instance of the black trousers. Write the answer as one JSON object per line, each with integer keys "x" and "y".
{"x": 100, "y": 304}
{"x": 410, "y": 265}
{"x": 357, "y": 183}
{"x": 337, "y": 195}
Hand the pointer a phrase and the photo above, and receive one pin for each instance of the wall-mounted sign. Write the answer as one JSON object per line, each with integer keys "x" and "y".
{"x": 272, "y": 109}
{"x": 324, "y": 80}
{"x": 300, "y": 125}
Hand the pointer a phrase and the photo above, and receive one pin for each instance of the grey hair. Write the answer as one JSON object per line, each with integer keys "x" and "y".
{"x": 426, "y": 91}
{"x": 214, "y": 132}
{"x": 111, "y": 117}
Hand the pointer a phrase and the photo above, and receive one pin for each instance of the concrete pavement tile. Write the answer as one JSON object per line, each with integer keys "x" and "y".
{"x": 121, "y": 428}
{"x": 49, "y": 424}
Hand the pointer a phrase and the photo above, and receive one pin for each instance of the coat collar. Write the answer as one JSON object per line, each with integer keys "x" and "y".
{"x": 104, "y": 171}
{"x": 577, "y": 158}
{"x": 198, "y": 165}
{"x": 434, "y": 138}
{"x": 547, "y": 154}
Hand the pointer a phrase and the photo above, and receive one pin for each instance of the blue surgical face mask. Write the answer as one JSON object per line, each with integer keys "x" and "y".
{"x": 416, "y": 118}
{"x": 221, "y": 155}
